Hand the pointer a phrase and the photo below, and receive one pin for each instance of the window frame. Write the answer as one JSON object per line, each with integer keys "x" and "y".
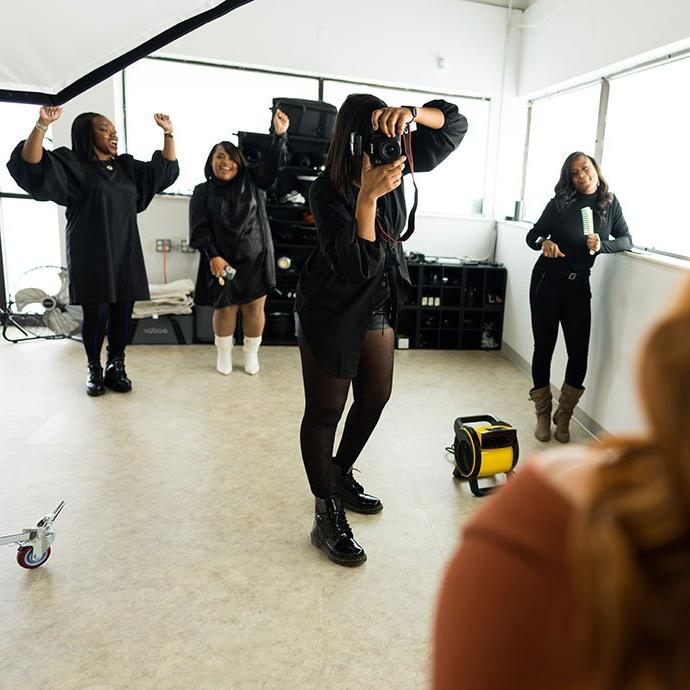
{"x": 600, "y": 135}
{"x": 321, "y": 79}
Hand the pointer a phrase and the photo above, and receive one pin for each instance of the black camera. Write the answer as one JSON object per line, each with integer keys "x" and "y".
{"x": 381, "y": 149}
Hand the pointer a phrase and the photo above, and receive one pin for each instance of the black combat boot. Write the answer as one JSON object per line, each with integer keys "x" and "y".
{"x": 94, "y": 379}
{"x": 333, "y": 535}
{"x": 115, "y": 374}
{"x": 352, "y": 491}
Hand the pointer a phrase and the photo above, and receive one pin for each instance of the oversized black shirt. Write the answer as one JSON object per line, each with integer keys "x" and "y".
{"x": 104, "y": 256}
{"x": 340, "y": 282}
{"x": 565, "y": 229}
{"x": 229, "y": 219}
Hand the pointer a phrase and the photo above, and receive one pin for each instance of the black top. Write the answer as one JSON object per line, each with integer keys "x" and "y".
{"x": 104, "y": 256}
{"x": 565, "y": 229}
{"x": 229, "y": 219}
{"x": 339, "y": 285}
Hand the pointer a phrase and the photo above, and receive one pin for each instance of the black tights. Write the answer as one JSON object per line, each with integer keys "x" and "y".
{"x": 325, "y": 398}
{"x": 554, "y": 300}
{"x": 99, "y": 319}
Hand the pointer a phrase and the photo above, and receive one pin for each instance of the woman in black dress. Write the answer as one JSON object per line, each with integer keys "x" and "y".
{"x": 228, "y": 224}
{"x": 559, "y": 290}
{"x": 103, "y": 193}
{"x": 346, "y": 300}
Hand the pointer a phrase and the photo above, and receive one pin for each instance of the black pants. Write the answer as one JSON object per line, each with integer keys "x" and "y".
{"x": 563, "y": 299}
{"x": 101, "y": 319}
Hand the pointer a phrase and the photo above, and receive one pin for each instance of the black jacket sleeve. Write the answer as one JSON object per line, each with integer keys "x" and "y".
{"x": 264, "y": 174}
{"x": 619, "y": 230}
{"x": 152, "y": 177}
{"x": 432, "y": 146}
{"x": 353, "y": 258}
{"x": 200, "y": 231}
{"x": 58, "y": 176}
{"x": 543, "y": 227}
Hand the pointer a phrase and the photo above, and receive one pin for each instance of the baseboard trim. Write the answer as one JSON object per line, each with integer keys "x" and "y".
{"x": 582, "y": 418}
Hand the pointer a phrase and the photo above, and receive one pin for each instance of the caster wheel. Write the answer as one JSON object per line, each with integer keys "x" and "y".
{"x": 25, "y": 558}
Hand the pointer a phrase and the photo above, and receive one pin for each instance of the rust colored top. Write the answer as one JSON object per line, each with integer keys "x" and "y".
{"x": 506, "y": 616}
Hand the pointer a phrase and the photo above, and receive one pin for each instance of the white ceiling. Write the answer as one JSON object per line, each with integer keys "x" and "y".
{"x": 517, "y": 4}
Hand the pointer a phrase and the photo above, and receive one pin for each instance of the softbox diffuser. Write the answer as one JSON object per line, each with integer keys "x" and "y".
{"x": 53, "y": 51}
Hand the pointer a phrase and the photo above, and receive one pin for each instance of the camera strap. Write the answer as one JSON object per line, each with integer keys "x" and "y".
{"x": 407, "y": 147}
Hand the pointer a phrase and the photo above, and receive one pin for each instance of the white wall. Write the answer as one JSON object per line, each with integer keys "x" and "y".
{"x": 628, "y": 294}
{"x": 395, "y": 42}
{"x": 589, "y": 37}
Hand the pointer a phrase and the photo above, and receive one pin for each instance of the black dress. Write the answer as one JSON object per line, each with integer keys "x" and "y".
{"x": 341, "y": 284}
{"x": 228, "y": 219}
{"x": 104, "y": 256}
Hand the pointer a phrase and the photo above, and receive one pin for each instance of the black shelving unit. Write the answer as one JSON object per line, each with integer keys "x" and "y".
{"x": 454, "y": 306}
{"x": 292, "y": 226}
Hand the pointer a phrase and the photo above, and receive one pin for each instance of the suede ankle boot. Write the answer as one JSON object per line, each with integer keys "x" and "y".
{"x": 115, "y": 375}
{"x": 332, "y": 534}
{"x": 354, "y": 497}
{"x": 566, "y": 404}
{"x": 541, "y": 397}
{"x": 94, "y": 380}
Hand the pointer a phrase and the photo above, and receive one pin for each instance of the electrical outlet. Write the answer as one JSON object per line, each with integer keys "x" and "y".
{"x": 163, "y": 245}
{"x": 185, "y": 248}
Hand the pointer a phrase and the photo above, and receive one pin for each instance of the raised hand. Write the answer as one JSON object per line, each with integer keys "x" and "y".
{"x": 164, "y": 122}
{"x": 49, "y": 114}
{"x": 391, "y": 121}
{"x": 281, "y": 122}
{"x": 381, "y": 179}
{"x": 551, "y": 250}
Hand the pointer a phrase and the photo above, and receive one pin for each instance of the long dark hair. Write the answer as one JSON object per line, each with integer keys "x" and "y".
{"x": 235, "y": 154}
{"x": 566, "y": 192}
{"x": 82, "y": 136}
{"x": 633, "y": 539}
{"x": 354, "y": 116}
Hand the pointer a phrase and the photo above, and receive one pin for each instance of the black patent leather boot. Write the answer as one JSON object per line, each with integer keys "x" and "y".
{"x": 94, "y": 380}
{"x": 332, "y": 534}
{"x": 115, "y": 375}
{"x": 354, "y": 496}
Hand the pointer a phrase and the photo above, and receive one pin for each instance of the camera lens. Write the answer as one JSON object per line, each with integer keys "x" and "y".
{"x": 390, "y": 150}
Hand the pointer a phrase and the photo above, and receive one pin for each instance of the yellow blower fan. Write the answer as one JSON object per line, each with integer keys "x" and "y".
{"x": 488, "y": 448}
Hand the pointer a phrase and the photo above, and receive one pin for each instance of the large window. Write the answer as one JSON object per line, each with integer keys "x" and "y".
{"x": 207, "y": 104}
{"x": 559, "y": 125}
{"x": 210, "y": 103}
{"x": 457, "y": 186}
{"x": 29, "y": 233}
{"x": 646, "y": 153}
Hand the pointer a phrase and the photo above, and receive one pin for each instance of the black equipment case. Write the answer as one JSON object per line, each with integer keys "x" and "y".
{"x": 314, "y": 119}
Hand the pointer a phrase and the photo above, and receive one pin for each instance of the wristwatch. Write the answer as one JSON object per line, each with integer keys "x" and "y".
{"x": 413, "y": 110}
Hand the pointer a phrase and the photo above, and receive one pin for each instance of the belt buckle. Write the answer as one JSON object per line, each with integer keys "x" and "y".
{"x": 572, "y": 276}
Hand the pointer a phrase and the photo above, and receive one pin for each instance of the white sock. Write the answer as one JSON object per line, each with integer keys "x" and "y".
{"x": 251, "y": 354}
{"x": 224, "y": 345}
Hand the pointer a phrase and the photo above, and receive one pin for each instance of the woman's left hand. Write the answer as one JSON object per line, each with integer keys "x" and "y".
{"x": 281, "y": 122}
{"x": 593, "y": 242}
{"x": 391, "y": 121}
{"x": 164, "y": 122}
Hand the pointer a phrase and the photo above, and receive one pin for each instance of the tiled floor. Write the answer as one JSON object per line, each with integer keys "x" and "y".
{"x": 182, "y": 557}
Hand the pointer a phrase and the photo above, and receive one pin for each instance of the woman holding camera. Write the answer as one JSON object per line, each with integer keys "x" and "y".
{"x": 559, "y": 291}
{"x": 347, "y": 294}
{"x": 103, "y": 193}
{"x": 229, "y": 226}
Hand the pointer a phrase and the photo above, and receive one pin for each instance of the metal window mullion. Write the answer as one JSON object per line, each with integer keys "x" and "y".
{"x": 601, "y": 119}
{"x": 525, "y": 157}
